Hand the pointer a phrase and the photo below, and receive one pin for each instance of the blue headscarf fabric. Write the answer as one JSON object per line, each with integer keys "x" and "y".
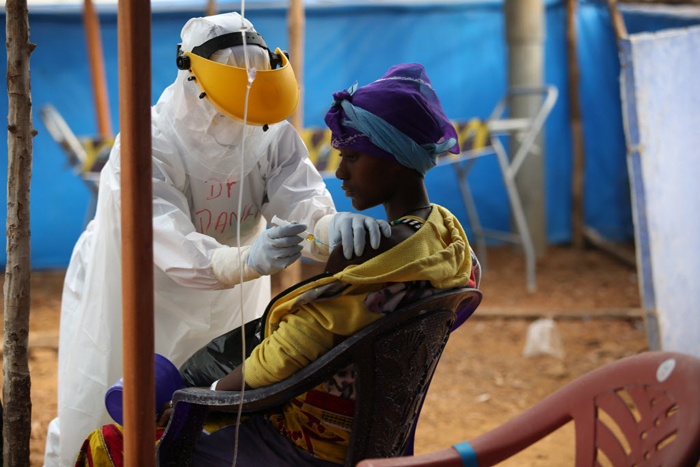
{"x": 397, "y": 118}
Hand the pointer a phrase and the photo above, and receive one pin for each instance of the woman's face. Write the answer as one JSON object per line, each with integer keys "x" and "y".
{"x": 367, "y": 180}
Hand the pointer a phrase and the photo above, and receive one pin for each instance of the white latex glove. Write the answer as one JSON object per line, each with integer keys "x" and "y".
{"x": 351, "y": 229}
{"x": 275, "y": 249}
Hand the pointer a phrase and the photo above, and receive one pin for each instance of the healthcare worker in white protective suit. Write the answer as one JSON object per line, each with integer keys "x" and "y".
{"x": 199, "y": 172}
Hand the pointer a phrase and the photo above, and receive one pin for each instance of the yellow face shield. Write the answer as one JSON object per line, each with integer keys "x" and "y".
{"x": 274, "y": 94}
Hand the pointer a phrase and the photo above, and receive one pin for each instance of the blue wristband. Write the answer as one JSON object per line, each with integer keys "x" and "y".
{"x": 467, "y": 453}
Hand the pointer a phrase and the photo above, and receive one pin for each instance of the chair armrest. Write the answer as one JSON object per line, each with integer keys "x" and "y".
{"x": 193, "y": 404}
{"x": 271, "y": 396}
{"x": 509, "y": 124}
{"x": 448, "y": 457}
{"x": 261, "y": 398}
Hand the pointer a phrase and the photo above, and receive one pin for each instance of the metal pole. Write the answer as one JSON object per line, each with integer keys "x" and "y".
{"x": 97, "y": 69}
{"x": 525, "y": 22}
{"x": 134, "y": 27}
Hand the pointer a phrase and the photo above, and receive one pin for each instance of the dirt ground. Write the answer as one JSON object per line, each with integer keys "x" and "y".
{"x": 482, "y": 379}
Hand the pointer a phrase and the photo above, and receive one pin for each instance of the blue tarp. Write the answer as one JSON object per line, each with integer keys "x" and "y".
{"x": 462, "y": 46}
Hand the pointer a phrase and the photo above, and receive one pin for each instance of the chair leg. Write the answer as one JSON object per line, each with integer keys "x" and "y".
{"x": 518, "y": 213}
{"x": 522, "y": 236}
{"x": 462, "y": 172}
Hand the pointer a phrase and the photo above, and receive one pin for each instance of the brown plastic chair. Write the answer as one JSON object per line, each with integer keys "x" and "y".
{"x": 395, "y": 359}
{"x": 651, "y": 403}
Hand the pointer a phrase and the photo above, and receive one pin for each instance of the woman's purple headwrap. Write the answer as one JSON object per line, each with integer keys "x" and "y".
{"x": 397, "y": 118}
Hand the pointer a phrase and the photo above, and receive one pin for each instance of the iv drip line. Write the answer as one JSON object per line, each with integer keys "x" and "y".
{"x": 251, "y": 77}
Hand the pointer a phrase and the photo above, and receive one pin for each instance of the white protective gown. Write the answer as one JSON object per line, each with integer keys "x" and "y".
{"x": 193, "y": 216}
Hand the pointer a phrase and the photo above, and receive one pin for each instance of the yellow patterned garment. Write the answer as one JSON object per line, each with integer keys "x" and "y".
{"x": 308, "y": 321}
{"x": 318, "y": 423}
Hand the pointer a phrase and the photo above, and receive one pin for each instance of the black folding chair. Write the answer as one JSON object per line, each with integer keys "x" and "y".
{"x": 394, "y": 357}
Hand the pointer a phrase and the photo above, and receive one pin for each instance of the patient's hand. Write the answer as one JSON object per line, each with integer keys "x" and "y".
{"x": 165, "y": 413}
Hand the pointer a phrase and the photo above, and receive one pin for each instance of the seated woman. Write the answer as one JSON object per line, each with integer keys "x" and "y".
{"x": 389, "y": 134}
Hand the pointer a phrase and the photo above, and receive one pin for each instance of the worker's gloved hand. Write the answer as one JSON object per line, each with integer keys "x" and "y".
{"x": 275, "y": 249}
{"x": 351, "y": 229}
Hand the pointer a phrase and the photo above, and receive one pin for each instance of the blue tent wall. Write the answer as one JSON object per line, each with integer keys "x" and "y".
{"x": 462, "y": 47}
{"x": 607, "y": 199}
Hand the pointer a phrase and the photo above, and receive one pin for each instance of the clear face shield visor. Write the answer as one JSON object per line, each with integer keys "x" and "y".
{"x": 274, "y": 93}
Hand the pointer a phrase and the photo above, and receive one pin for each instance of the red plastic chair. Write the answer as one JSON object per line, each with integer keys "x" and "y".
{"x": 652, "y": 402}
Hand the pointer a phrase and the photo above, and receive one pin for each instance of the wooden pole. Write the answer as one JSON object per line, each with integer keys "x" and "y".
{"x": 295, "y": 29}
{"x": 17, "y": 415}
{"x": 578, "y": 175}
{"x": 134, "y": 27}
{"x": 91, "y": 23}
{"x": 617, "y": 21}
{"x": 296, "y": 25}
{"x": 212, "y": 8}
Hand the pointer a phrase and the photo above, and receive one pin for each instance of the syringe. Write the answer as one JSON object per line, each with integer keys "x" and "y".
{"x": 308, "y": 236}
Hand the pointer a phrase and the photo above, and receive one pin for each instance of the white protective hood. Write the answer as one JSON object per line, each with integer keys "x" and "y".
{"x": 195, "y": 213}
{"x": 213, "y": 140}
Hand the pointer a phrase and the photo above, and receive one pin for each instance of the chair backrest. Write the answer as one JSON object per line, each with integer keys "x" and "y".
{"x": 654, "y": 399}
{"x": 639, "y": 411}
{"x": 395, "y": 358}
{"x": 394, "y": 372}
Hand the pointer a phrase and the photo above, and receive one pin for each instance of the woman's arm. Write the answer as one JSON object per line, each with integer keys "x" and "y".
{"x": 232, "y": 381}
